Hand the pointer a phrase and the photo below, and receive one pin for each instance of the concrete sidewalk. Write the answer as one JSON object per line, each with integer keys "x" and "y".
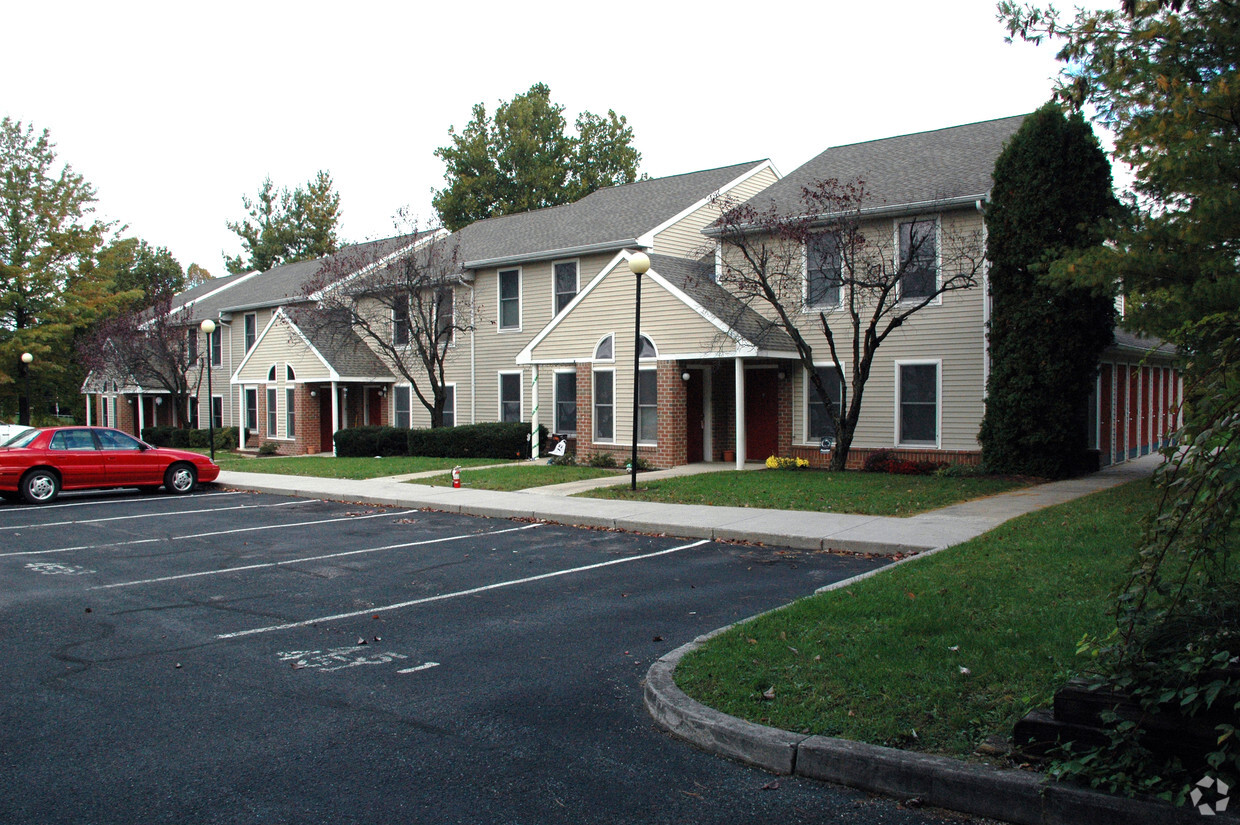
{"x": 801, "y": 530}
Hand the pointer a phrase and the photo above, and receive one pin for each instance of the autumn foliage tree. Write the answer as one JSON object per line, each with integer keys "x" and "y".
{"x": 873, "y": 282}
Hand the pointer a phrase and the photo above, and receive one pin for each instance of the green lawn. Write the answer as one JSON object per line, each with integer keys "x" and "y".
{"x": 875, "y": 494}
{"x": 939, "y": 654}
{"x": 518, "y": 477}
{"x": 329, "y": 467}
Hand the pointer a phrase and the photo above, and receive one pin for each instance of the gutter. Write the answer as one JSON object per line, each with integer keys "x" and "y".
{"x": 879, "y": 211}
{"x": 568, "y": 251}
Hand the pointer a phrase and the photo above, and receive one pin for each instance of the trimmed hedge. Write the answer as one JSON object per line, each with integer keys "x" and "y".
{"x": 469, "y": 441}
{"x": 178, "y": 438}
{"x": 371, "y": 441}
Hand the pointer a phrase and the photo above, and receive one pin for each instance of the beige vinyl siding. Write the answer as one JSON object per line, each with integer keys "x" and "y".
{"x": 685, "y": 238}
{"x": 283, "y": 346}
{"x": 951, "y": 332}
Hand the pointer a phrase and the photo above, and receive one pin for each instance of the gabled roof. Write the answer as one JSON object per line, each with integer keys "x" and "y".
{"x": 344, "y": 354}
{"x": 944, "y": 165}
{"x": 605, "y": 221}
{"x": 1146, "y": 344}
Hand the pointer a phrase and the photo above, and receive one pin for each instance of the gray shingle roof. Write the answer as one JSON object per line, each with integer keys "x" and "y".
{"x": 925, "y": 167}
{"x": 615, "y": 216}
{"x": 696, "y": 279}
{"x": 345, "y": 351}
{"x": 1143, "y": 343}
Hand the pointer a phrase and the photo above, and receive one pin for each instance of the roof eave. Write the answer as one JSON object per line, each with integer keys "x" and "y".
{"x": 587, "y": 249}
{"x": 909, "y": 208}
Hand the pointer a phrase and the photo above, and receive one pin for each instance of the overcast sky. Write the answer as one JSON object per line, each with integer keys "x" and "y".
{"x": 173, "y": 111}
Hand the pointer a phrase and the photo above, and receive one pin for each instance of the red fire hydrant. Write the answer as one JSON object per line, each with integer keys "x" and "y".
{"x": 456, "y": 476}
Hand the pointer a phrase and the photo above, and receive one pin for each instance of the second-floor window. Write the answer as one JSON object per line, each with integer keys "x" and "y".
{"x": 251, "y": 330}
{"x": 565, "y": 284}
{"x": 217, "y": 356}
{"x": 445, "y": 309}
{"x": 918, "y": 262}
{"x": 191, "y": 345}
{"x": 400, "y": 325}
{"x": 823, "y": 271}
{"x": 509, "y": 299}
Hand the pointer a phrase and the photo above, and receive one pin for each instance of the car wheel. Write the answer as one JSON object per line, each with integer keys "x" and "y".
{"x": 181, "y": 478}
{"x": 40, "y": 486}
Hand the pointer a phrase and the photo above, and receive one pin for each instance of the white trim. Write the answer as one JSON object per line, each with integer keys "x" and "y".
{"x": 273, "y": 411}
{"x": 245, "y": 331}
{"x": 446, "y": 384}
{"x": 805, "y": 395}
{"x": 937, "y": 363}
{"x": 651, "y": 366}
{"x": 499, "y": 300}
{"x": 214, "y": 292}
{"x": 647, "y": 238}
{"x": 594, "y": 359}
{"x": 938, "y": 256}
{"x": 594, "y": 438}
{"x": 290, "y": 408}
{"x": 332, "y": 375}
{"x": 555, "y": 399}
{"x": 499, "y": 386}
{"x": 576, "y": 262}
{"x": 806, "y": 306}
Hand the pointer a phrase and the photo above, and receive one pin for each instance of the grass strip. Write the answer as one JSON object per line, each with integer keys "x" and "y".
{"x": 821, "y": 491}
{"x": 520, "y": 477}
{"x": 339, "y": 467}
{"x": 941, "y": 654}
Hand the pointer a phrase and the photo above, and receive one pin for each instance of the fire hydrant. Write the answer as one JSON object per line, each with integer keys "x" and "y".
{"x": 456, "y": 476}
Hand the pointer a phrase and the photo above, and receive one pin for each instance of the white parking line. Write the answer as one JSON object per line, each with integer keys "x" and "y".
{"x": 154, "y": 515}
{"x": 426, "y": 666}
{"x": 203, "y": 535}
{"x": 126, "y": 500}
{"x": 304, "y": 559}
{"x": 471, "y": 591}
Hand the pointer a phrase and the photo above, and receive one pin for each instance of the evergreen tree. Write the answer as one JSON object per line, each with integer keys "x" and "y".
{"x": 286, "y": 226}
{"x": 1052, "y": 187}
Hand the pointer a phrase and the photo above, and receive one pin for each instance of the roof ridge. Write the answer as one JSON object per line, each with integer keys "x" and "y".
{"x": 923, "y": 132}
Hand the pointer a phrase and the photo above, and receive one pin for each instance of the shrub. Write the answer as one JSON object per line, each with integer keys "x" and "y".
{"x": 226, "y": 438}
{"x": 789, "y": 463}
{"x": 179, "y": 439}
{"x": 493, "y": 440}
{"x": 876, "y": 462}
{"x": 158, "y": 436}
{"x": 604, "y": 460}
{"x": 566, "y": 460}
{"x": 267, "y": 448}
{"x": 959, "y": 471}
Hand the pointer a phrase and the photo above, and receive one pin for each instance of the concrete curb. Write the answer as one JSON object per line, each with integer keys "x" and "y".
{"x": 1014, "y": 796}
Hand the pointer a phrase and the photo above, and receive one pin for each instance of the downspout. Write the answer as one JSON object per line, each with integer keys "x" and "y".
{"x": 980, "y": 205}
{"x": 473, "y": 362}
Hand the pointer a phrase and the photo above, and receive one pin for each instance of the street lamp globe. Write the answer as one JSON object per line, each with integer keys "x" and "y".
{"x": 207, "y": 327}
{"x": 27, "y": 358}
{"x": 639, "y": 264}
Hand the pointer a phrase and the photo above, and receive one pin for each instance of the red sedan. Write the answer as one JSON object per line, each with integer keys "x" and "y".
{"x": 39, "y": 464}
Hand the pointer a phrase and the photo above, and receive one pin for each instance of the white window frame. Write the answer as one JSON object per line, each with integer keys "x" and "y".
{"x": 555, "y": 294}
{"x": 452, "y": 303}
{"x": 555, "y": 400}
{"x": 499, "y": 299}
{"x": 290, "y": 418}
{"x": 273, "y": 411}
{"x": 611, "y": 372}
{"x": 245, "y": 408}
{"x": 839, "y": 298}
{"x": 807, "y": 393}
{"x": 408, "y": 327}
{"x": 594, "y": 352}
{"x": 217, "y": 423}
{"x": 520, "y": 395}
{"x": 449, "y": 385}
{"x": 937, "y": 363}
{"x": 215, "y": 348}
{"x": 938, "y": 255}
{"x": 649, "y": 366}
{"x": 407, "y": 391}
{"x": 247, "y": 319}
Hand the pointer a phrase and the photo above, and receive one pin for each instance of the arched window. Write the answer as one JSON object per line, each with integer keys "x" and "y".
{"x": 647, "y": 349}
{"x": 606, "y": 349}
{"x": 289, "y": 375}
{"x": 271, "y": 373}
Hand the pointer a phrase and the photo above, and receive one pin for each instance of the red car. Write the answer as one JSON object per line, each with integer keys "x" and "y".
{"x": 39, "y": 464}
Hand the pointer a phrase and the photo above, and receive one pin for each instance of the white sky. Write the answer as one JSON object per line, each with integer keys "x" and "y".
{"x": 173, "y": 111}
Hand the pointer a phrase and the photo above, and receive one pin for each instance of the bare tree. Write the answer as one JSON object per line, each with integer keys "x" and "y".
{"x": 408, "y": 308}
{"x": 837, "y": 269}
{"x": 155, "y": 349}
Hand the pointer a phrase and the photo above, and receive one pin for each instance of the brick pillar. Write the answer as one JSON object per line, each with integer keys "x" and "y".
{"x": 672, "y": 450}
{"x": 585, "y": 413}
{"x": 306, "y": 421}
{"x": 126, "y": 414}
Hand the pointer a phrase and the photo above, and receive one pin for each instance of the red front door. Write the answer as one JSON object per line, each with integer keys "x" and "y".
{"x": 374, "y": 410}
{"x": 695, "y": 418}
{"x": 761, "y": 414}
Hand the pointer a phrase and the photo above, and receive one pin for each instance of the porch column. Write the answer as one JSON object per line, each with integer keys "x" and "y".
{"x": 90, "y": 403}
{"x": 740, "y": 413}
{"x": 141, "y": 414}
{"x": 335, "y": 414}
{"x": 241, "y": 418}
{"x": 534, "y": 416}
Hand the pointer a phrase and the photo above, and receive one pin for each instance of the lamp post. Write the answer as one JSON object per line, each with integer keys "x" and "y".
{"x": 24, "y": 411}
{"x": 208, "y": 328}
{"x": 639, "y": 264}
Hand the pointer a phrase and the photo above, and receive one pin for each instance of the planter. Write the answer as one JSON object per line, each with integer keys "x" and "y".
{"x": 729, "y": 455}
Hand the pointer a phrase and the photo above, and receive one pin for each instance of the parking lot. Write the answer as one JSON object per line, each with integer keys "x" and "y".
{"x": 240, "y": 657}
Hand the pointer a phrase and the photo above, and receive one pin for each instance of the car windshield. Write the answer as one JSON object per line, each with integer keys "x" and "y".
{"x": 21, "y": 439}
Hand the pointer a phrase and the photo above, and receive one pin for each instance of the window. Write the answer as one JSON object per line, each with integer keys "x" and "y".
{"x": 647, "y": 349}
{"x": 400, "y": 325}
{"x": 217, "y": 411}
{"x": 510, "y": 299}
{"x": 918, "y": 259}
{"x": 402, "y": 398}
{"x": 251, "y": 409}
{"x": 193, "y": 414}
{"x": 606, "y": 349}
{"x": 566, "y": 402}
{"x": 449, "y": 405}
{"x": 103, "y": 410}
{"x": 271, "y": 411}
{"x": 918, "y": 389}
{"x": 216, "y": 346}
{"x": 509, "y": 396}
{"x": 647, "y": 406}
{"x": 73, "y": 440}
{"x": 112, "y": 440}
{"x": 565, "y": 284}
{"x": 818, "y": 423}
{"x": 445, "y": 314}
{"x": 290, "y": 429}
{"x": 271, "y": 373}
{"x": 823, "y": 270}
{"x": 289, "y": 375}
{"x": 604, "y": 405}
{"x": 191, "y": 345}
{"x": 251, "y": 330}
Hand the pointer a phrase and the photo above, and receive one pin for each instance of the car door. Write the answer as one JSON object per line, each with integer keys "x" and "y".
{"x": 74, "y": 454}
{"x": 127, "y": 460}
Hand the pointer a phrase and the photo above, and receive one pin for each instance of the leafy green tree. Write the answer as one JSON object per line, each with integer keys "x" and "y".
{"x": 286, "y": 226}
{"x": 48, "y": 239}
{"x": 196, "y": 275}
{"x": 1052, "y": 188}
{"x": 524, "y": 159}
{"x": 146, "y": 272}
